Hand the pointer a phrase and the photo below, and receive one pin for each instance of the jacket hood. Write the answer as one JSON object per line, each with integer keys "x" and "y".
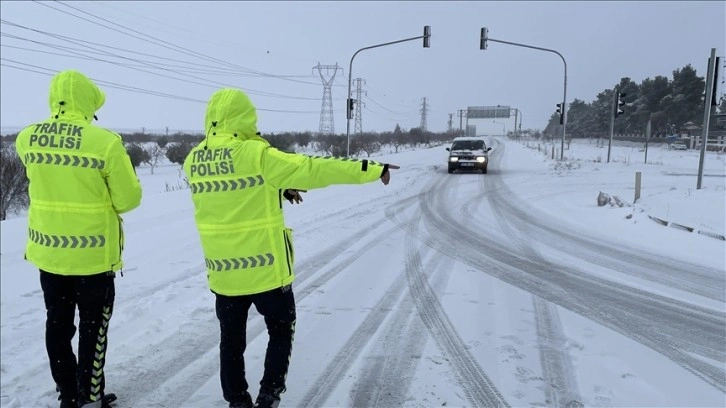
{"x": 230, "y": 112}
{"x": 72, "y": 94}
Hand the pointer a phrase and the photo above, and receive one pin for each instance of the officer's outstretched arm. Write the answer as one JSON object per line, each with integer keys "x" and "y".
{"x": 289, "y": 170}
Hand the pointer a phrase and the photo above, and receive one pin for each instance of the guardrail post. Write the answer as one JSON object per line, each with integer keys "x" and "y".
{"x": 637, "y": 187}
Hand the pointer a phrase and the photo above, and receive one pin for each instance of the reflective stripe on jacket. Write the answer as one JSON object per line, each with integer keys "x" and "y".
{"x": 236, "y": 180}
{"x": 81, "y": 179}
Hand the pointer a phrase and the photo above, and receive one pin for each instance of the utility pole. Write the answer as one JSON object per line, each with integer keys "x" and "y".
{"x": 358, "y": 106}
{"x": 709, "y": 103}
{"x": 461, "y": 113}
{"x": 647, "y": 138}
{"x": 327, "y": 125}
{"x": 451, "y": 122}
{"x": 424, "y": 111}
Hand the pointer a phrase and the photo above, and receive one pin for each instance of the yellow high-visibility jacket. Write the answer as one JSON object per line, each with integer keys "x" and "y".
{"x": 236, "y": 180}
{"x": 81, "y": 179}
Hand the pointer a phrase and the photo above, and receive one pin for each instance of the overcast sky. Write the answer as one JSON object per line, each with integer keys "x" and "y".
{"x": 225, "y": 41}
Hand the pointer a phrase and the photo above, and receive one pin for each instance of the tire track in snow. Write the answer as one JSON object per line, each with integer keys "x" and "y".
{"x": 334, "y": 371}
{"x": 668, "y": 326}
{"x": 144, "y": 379}
{"x": 479, "y": 389}
{"x": 700, "y": 281}
{"x": 387, "y": 374}
{"x": 559, "y": 376}
{"x": 696, "y": 279}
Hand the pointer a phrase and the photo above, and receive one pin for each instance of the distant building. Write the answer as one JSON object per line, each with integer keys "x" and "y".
{"x": 721, "y": 120}
{"x": 690, "y": 129}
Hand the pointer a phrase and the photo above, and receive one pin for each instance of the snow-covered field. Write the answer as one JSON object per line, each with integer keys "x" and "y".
{"x": 465, "y": 290}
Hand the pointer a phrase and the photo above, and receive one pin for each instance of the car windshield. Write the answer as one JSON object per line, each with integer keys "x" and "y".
{"x": 468, "y": 145}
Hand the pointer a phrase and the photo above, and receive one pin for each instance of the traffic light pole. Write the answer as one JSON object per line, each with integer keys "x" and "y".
{"x": 349, "y": 101}
{"x": 485, "y": 38}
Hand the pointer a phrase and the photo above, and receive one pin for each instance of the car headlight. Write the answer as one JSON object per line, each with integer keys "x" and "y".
{"x": 453, "y": 159}
{"x": 481, "y": 159}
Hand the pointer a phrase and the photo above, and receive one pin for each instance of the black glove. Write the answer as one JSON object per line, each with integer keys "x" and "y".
{"x": 293, "y": 195}
{"x": 288, "y": 196}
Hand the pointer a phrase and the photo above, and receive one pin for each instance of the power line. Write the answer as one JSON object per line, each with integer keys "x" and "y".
{"x": 135, "y": 68}
{"x": 383, "y": 107}
{"x": 381, "y": 116}
{"x": 212, "y": 69}
{"x": 75, "y": 40}
{"x": 380, "y": 105}
{"x": 209, "y": 40}
{"x": 149, "y": 64}
{"x": 180, "y": 68}
{"x": 166, "y": 45}
{"x": 52, "y": 72}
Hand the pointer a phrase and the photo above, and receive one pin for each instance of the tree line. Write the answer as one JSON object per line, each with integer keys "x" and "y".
{"x": 150, "y": 149}
{"x": 669, "y": 103}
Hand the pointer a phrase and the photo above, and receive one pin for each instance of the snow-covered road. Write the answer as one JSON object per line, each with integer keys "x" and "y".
{"x": 456, "y": 290}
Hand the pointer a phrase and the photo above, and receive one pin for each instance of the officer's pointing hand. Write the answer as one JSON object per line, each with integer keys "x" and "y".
{"x": 386, "y": 177}
{"x": 293, "y": 195}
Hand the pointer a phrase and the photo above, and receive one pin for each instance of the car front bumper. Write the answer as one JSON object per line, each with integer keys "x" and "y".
{"x": 467, "y": 165}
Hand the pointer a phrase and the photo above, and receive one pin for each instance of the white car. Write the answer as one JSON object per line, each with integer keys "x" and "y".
{"x": 678, "y": 145}
{"x": 468, "y": 153}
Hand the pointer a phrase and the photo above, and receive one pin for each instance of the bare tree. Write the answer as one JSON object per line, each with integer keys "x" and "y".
{"x": 155, "y": 154}
{"x": 13, "y": 182}
{"x": 368, "y": 143}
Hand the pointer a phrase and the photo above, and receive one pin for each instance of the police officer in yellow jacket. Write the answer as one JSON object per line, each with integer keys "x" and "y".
{"x": 81, "y": 179}
{"x": 238, "y": 182}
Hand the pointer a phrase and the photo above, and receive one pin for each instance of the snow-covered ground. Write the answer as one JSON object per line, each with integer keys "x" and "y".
{"x": 512, "y": 288}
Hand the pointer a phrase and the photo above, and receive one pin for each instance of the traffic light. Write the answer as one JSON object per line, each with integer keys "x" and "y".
{"x": 427, "y": 36}
{"x": 619, "y": 104}
{"x": 714, "y": 98}
{"x": 484, "y": 38}
{"x": 561, "y": 113}
{"x": 350, "y": 108}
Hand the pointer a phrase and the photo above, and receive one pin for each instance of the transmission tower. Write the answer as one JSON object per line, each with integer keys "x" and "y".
{"x": 359, "y": 105}
{"x": 327, "y": 126}
{"x": 424, "y": 111}
{"x": 451, "y": 121}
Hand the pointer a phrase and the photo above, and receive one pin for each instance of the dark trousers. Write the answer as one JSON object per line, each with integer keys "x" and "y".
{"x": 278, "y": 308}
{"x": 93, "y": 295}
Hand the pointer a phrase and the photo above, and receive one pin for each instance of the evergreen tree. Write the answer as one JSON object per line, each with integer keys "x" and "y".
{"x": 686, "y": 103}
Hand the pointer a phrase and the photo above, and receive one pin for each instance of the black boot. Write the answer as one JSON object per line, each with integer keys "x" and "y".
{"x": 67, "y": 397}
{"x": 104, "y": 402}
{"x": 68, "y": 402}
{"x": 245, "y": 402}
{"x": 267, "y": 400}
